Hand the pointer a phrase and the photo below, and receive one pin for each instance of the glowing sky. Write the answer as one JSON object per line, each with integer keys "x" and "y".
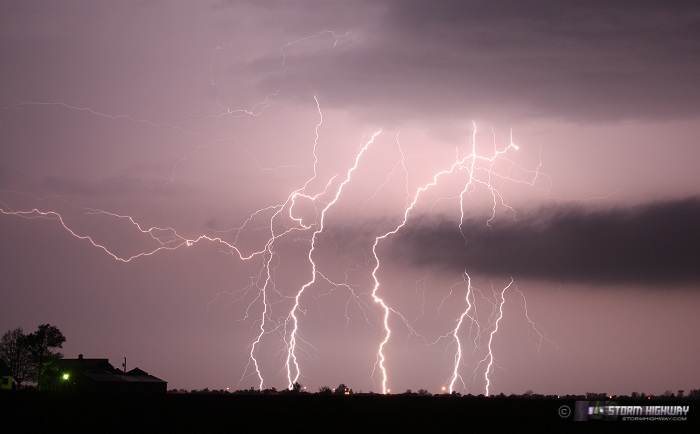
{"x": 194, "y": 115}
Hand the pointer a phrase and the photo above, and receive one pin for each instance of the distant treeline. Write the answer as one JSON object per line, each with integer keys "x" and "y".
{"x": 342, "y": 390}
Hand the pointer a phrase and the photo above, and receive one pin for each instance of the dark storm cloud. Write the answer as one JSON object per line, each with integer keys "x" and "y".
{"x": 573, "y": 60}
{"x": 651, "y": 244}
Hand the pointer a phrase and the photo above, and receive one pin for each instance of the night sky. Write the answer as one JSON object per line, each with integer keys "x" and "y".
{"x": 187, "y": 184}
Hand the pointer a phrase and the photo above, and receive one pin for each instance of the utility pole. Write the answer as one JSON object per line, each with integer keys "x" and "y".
{"x": 124, "y": 365}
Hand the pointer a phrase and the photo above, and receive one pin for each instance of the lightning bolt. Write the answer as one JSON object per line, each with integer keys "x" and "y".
{"x": 291, "y": 354}
{"x": 280, "y": 220}
{"x": 458, "y": 353}
{"x": 469, "y": 164}
{"x": 103, "y": 115}
{"x": 336, "y": 38}
{"x": 489, "y": 355}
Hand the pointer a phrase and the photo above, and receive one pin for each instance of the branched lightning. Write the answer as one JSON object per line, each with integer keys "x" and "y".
{"x": 283, "y": 49}
{"x": 536, "y": 328}
{"x": 291, "y": 355}
{"x": 468, "y": 163}
{"x": 104, "y": 115}
{"x": 489, "y": 355}
{"x": 280, "y": 220}
{"x": 458, "y": 353}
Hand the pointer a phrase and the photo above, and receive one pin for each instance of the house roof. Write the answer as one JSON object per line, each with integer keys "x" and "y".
{"x": 105, "y": 377}
{"x": 101, "y": 370}
{"x": 142, "y": 379}
{"x": 82, "y": 365}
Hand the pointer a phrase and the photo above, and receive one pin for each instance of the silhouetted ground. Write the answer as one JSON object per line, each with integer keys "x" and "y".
{"x": 61, "y": 412}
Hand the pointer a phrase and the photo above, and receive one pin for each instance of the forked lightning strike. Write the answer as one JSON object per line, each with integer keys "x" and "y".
{"x": 281, "y": 220}
{"x": 291, "y": 354}
{"x": 469, "y": 164}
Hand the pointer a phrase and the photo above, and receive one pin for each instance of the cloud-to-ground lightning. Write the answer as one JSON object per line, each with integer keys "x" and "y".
{"x": 458, "y": 354}
{"x": 279, "y": 221}
{"x": 494, "y": 329}
{"x": 167, "y": 238}
{"x": 470, "y": 164}
{"x": 291, "y": 354}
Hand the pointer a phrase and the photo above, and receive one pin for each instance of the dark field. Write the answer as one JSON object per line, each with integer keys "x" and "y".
{"x": 47, "y": 412}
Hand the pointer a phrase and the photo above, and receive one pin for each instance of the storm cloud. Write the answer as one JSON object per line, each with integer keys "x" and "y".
{"x": 241, "y": 119}
{"x": 507, "y": 59}
{"x": 652, "y": 244}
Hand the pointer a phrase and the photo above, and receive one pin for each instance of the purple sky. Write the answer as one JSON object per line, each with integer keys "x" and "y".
{"x": 192, "y": 116}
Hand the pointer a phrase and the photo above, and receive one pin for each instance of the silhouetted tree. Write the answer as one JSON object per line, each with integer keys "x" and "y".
{"x": 325, "y": 390}
{"x": 179, "y": 391}
{"x": 342, "y": 389}
{"x": 423, "y": 392}
{"x": 15, "y": 352}
{"x": 42, "y": 344}
{"x": 296, "y": 387}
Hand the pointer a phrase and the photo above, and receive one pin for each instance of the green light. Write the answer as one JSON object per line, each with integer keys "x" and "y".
{"x": 66, "y": 376}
